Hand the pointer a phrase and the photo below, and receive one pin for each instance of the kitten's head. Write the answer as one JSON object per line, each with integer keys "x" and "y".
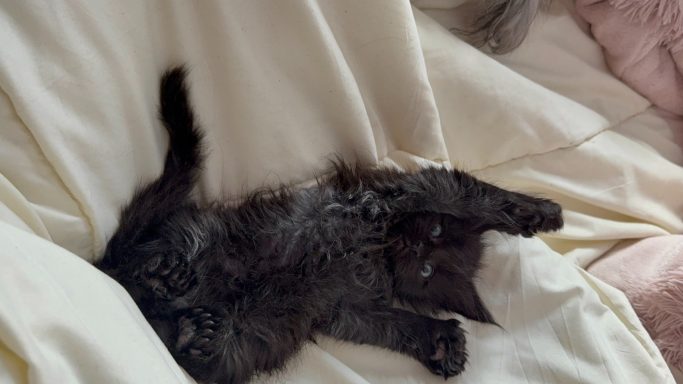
{"x": 435, "y": 258}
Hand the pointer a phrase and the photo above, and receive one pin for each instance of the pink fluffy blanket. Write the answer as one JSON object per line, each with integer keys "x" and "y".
{"x": 643, "y": 44}
{"x": 650, "y": 273}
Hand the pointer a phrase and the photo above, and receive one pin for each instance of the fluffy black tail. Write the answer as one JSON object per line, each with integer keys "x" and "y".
{"x": 152, "y": 203}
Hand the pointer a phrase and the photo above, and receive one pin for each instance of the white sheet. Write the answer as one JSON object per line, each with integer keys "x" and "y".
{"x": 279, "y": 86}
{"x": 614, "y": 184}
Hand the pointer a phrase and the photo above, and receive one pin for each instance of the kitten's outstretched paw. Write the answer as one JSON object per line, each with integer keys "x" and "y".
{"x": 169, "y": 276}
{"x": 198, "y": 332}
{"x": 536, "y": 215}
{"x": 446, "y": 355}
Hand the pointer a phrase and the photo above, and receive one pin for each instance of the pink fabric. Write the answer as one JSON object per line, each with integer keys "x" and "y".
{"x": 650, "y": 273}
{"x": 643, "y": 44}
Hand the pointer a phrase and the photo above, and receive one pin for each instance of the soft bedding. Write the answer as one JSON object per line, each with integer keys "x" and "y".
{"x": 643, "y": 44}
{"x": 278, "y": 87}
{"x": 650, "y": 272}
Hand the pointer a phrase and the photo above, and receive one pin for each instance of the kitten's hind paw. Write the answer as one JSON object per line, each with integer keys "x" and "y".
{"x": 169, "y": 276}
{"x": 199, "y": 330}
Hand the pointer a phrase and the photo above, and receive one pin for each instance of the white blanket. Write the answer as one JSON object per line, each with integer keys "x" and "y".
{"x": 279, "y": 86}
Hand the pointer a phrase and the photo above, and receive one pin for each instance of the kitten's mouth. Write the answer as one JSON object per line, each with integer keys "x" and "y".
{"x": 398, "y": 243}
{"x": 400, "y": 248}
{"x": 390, "y": 243}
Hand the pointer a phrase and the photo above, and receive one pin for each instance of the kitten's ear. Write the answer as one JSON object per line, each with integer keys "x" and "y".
{"x": 473, "y": 308}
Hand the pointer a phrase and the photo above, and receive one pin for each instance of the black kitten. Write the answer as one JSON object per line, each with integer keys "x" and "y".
{"x": 236, "y": 290}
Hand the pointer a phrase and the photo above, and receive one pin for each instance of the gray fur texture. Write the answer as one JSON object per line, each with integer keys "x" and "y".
{"x": 502, "y": 25}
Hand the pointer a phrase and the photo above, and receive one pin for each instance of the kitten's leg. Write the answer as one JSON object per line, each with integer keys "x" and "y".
{"x": 216, "y": 347}
{"x": 456, "y": 193}
{"x": 438, "y": 344}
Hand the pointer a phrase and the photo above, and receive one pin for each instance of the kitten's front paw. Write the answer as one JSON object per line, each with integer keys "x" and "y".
{"x": 446, "y": 354}
{"x": 199, "y": 330}
{"x": 169, "y": 276}
{"x": 536, "y": 215}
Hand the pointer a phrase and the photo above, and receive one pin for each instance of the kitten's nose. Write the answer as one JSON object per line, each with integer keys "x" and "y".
{"x": 417, "y": 249}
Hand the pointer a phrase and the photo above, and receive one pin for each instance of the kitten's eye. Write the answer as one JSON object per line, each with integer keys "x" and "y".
{"x": 427, "y": 270}
{"x": 436, "y": 230}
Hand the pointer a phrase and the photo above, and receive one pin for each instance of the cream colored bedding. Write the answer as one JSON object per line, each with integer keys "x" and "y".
{"x": 279, "y": 86}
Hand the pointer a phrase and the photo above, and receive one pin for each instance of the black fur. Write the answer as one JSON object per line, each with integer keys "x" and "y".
{"x": 236, "y": 290}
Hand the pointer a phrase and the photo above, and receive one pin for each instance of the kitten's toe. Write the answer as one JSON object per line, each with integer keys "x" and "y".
{"x": 448, "y": 354}
{"x": 199, "y": 330}
{"x": 169, "y": 276}
{"x": 537, "y": 215}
